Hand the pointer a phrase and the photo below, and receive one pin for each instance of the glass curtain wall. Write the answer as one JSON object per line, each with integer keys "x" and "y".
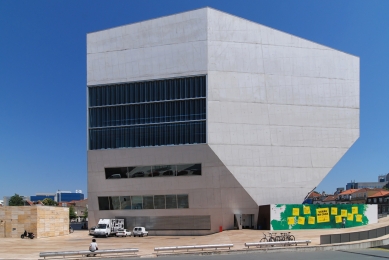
{"x": 174, "y": 201}
{"x": 149, "y": 113}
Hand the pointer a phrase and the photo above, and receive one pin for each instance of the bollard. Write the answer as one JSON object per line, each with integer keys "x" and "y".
{"x": 220, "y": 228}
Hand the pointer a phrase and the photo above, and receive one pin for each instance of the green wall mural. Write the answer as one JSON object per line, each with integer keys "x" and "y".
{"x": 298, "y": 216}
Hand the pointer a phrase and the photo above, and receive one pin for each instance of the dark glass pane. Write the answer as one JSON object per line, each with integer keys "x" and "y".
{"x": 125, "y": 202}
{"x": 103, "y": 203}
{"x": 159, "y": 201}
{"x": 116, "y": 173}
{"x": 171, "y": 201}
{"x": 148, "y": 202}
{"x": 139, "y": 172}
{"x": 182, "y": 201}
{"x": 137, "y": 202}
{"x": 115, "y": 203}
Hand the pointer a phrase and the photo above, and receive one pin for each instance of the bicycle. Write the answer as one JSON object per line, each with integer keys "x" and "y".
{"x": 273, "y": 238}
{"x": 286, "y": 237}
{"x": 264, "y": 239}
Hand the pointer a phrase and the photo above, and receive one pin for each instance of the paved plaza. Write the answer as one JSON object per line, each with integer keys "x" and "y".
{"x": 16, "y": 248}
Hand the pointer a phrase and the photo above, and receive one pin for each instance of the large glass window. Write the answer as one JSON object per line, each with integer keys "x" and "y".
{"x": 153, "y": 171}
{"x": 152, "y": 113}
{"x": 144, "y": 202}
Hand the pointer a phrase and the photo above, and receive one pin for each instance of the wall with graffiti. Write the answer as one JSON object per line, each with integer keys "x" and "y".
{"x": 298, "y": 216}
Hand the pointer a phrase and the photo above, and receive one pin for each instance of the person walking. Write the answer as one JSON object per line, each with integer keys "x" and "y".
{"x": 343, "y": 222}
{"x": 93, "y": 247}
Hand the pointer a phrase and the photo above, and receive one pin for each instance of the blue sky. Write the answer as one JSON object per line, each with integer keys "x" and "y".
{"x": 43, "y": 79}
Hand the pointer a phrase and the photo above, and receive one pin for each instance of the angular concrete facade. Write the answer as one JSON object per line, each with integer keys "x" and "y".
{"x": 281, "y": 112}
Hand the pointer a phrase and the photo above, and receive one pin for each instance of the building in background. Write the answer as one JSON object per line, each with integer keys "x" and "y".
{"x": 67, "y": 196}
{"x": 42, "y": 196}
{"x": 59, "y": 196}
{"x": 198, "y": 118}
{"x": 382, "y": 181}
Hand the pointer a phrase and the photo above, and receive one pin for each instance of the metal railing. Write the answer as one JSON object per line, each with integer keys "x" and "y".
{"x": 187, "y": 248}
{"x": 87, "y": 252}
{"x": 280, "y": 243}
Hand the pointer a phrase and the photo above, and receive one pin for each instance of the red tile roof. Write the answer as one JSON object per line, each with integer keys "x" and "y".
{"x": 379, "y": 194}
{"x": 350, "y": 191}
{"x": 314, "y": 194}
{"x": 330, "y": 198}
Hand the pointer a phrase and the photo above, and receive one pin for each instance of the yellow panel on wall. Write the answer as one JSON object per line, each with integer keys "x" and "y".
{"x": 323, "y": 215}
{"x": 311, "y": 220}
{"x": 290, "y": 220}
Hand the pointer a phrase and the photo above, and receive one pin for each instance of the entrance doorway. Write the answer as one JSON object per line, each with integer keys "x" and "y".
{"x": 244, "y": 221}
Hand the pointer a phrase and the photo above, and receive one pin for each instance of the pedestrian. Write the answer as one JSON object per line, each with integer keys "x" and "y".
{"x": 93, "y": 247}
{"x": 343, "y": 222}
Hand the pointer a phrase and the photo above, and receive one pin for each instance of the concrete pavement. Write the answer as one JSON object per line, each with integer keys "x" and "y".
{"x": 13, "y": 248}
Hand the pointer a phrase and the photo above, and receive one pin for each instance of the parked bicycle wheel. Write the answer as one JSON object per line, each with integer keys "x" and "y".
{"x": 291, "y": 238}
{"x": 271, "y": 239}
{"x": 263, "y": 240}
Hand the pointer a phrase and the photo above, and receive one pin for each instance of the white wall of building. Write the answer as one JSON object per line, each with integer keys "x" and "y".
{"x": 281, "y": 112}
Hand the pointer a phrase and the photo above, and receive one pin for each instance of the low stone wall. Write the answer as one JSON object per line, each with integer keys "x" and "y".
{"x": 44, "y": 221}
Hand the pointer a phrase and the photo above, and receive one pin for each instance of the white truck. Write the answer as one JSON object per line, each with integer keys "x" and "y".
{"x": 108, "y": 227}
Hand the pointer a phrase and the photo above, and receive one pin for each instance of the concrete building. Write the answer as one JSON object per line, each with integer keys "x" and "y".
{"x": 42, "y": 196}
{"x": 67, "y": 196}
{"x": 382, "y": 181}
{"x": 198, "y": 118}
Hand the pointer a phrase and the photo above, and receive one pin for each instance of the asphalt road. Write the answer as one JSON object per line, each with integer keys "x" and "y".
{"x": 362, "y": 254}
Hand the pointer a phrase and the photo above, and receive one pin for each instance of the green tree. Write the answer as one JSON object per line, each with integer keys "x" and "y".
{"x": 72, "y": 213}
{"x": 49, "y": 202}
{"x": 85, "y": 216}
{"x": 16, "y": 200}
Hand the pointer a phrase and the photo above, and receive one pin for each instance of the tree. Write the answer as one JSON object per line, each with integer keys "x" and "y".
{"x": 49, "y": 202}
{"x": 16, "y": 200}
{"x": 85, "y": 216}
{"x": 72, "y": 213}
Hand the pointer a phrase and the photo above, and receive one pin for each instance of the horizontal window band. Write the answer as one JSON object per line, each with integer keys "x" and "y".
{"x": 149, "y": 124}
{"x": 148, "y": 102}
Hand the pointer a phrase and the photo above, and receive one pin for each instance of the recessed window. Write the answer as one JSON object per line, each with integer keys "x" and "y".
{"x": 170, "y": 201}
{"x": 153, "y": 171}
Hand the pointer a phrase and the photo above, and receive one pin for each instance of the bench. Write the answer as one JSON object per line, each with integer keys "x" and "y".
{"x": 280, "y": 243}
{"x": 87, "y": 252}
{"x": 187, "y": 248}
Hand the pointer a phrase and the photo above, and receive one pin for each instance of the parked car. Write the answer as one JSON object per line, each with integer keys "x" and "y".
{"x": 140, "y": 232}
{"x": 123, "y": 233}
{"x": 115, "y": 176}
{"x": 138, "y": 174}
{"x": 92, "y": 231}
